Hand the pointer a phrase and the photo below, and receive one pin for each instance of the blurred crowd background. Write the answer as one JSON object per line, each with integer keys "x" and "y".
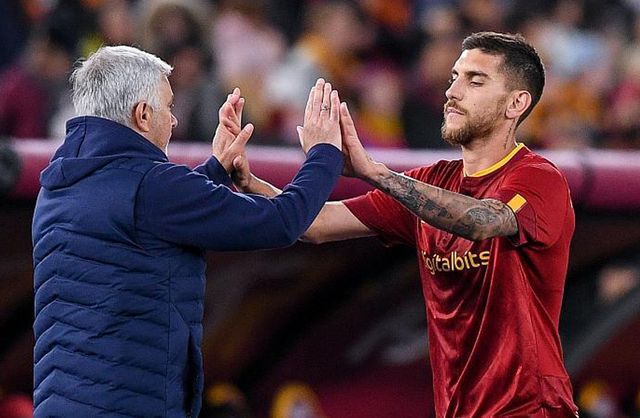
{"x": 390, "y": 60}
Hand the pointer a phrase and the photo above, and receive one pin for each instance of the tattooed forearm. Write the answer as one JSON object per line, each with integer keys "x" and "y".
{"x": 486, "y": 218}
{"x": 453, "y": 212}
{"x": 425, "y": 205}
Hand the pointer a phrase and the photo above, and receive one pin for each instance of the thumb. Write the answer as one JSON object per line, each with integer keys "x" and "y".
{"x": 244, "y": 135}
{"x": 237, "y": 162}
{"x": 242, "y": 174}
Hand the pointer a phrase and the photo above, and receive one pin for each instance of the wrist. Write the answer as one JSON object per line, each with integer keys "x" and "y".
{"x": 249, "y": 185}
{"x": 244, "y": 185}
{"x": 375, "y": 173}
{"x": 223, "y": 164}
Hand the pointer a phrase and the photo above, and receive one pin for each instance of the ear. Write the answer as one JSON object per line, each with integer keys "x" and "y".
{"x": 518, "y": 102}
{"x": 142, "y": 114}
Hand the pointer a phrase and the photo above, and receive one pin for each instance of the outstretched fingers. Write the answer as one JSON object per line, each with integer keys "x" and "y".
{"x": 322, "y": 116}
{"x": 325, "y": 107}
{"x": 334, "y": 113}
{"x": 234, "y": 96}
{"x": 238, "y": 105}
{"x": 309, "y": 108}
{"x": 228, "y": 118}
{"x": 230, "y": 113}
{"x": 317, "y": 98}
{"x": 358, "y": 163}
{"x": 348, "y": 128}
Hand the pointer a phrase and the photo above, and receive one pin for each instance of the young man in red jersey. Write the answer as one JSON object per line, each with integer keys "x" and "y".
{"x": 492, "y": 233}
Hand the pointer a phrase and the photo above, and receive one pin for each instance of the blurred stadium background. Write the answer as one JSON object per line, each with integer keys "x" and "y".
{"x": 338, "y": 330}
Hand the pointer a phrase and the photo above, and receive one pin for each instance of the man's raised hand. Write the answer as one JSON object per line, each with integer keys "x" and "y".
{"x": 227, "y": 142}
{"x": 357, "y": 162}
{"x": 321, "y": 118}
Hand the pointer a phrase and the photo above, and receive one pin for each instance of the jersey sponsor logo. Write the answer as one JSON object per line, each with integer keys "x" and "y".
{"x": 452, "y": 262}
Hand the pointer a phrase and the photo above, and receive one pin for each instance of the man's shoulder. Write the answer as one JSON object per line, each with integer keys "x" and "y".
{"x": 531, "y": 160}
{"x": 536, "y": 168}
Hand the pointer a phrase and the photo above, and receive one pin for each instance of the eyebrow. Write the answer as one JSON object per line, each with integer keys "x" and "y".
{"x": 472, "y": 73}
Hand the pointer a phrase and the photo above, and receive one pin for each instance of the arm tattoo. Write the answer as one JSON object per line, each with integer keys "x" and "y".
{"x": 462, "y": 215}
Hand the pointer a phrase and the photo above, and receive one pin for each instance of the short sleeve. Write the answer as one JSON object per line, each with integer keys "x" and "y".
{"x": 393, "y": 223}
{"x": 539, "y": 196}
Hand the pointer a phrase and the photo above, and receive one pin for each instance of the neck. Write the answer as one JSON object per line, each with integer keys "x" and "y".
{"x": 482, "y": 153}
{"x": 146, "y": 135}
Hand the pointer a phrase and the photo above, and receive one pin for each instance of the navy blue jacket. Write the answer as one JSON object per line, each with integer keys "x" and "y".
{"x": 119, "y": 235}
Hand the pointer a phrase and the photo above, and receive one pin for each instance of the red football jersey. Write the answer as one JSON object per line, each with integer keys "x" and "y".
{"x": 493, "y": 306}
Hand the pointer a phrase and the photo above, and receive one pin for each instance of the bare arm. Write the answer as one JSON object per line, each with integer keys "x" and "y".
{"x": 462, "y": 215}
{"x": 335, "y": 223}
{"x": 470, "y": 218}
{"x": 246, "y": 182}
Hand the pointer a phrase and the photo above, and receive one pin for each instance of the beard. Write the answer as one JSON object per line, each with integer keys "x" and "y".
{"x": 475, "y": 127}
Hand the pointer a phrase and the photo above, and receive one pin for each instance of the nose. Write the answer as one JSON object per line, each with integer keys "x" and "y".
{"x": 454, "y": 90}
{"x": 174, "y": 121}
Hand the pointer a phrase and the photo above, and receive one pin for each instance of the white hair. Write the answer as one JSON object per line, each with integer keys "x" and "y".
{"x": 114, "y": 79}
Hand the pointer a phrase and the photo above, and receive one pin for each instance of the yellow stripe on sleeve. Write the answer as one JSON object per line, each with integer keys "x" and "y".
{"x": 516, "y": 203}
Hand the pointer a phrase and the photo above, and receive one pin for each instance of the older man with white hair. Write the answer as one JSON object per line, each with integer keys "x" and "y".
{"x": 119, "y": 234}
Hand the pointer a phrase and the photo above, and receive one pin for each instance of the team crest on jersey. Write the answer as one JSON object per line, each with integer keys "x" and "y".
{"x": 453, "y": 261}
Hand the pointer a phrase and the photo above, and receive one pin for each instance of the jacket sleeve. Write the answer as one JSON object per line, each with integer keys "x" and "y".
{"x": 214, "y": 171}
{"x": 184, "y": 207}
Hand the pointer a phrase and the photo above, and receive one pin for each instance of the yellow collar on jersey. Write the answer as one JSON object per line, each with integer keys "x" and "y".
{"x": 499, "y": 164}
